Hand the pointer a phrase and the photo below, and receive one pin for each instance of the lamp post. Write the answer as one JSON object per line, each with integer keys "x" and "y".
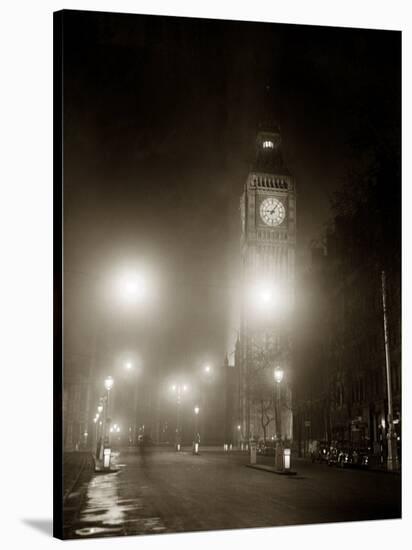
{"x": 392, "y": 459}
{"x": 206, "y": 377}
{"x": 108, "y": 384}
{"x": 278, "y": 375}
{"x": 96, "y": 432}
{"x": 196, "y": 439}
{"x": 178, "y": 389}
{"x": 239, "y": 435}
{"x": 98, "y": 423}
{"x": 132, "y": 368}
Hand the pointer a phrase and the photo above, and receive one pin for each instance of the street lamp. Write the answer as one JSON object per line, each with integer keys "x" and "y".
{"x": 133, "y": 288}
{"x": 278, "y": 375}
{"x": 96, "y": 428}
{"x": 178, "y": 389}
{"x": 239, "y": 436}
{"x": 208, "y": 369}
{"x": 108, "y": 384}
{"x": 128, "y": 365}
{"x": 196, "y": 439}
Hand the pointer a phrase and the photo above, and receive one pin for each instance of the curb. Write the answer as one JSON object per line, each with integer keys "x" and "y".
{"x": 362, "y": 469}
{"x": 271, "y": 470}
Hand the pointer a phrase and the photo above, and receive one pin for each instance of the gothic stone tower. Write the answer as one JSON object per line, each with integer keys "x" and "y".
{"x": 268, "y": 220}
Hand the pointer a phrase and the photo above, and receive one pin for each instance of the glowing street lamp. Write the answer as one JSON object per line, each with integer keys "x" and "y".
{"x": 108, "y": 383}
{"x": 133, "y": 288}
{"x": 128, "y": 365}
{"x": 263, "y": 295}
{"x": 269, "y": 298}
{"x": 278, "y": 375}
{"x": 208, "y": 369}
{"x": 196, "y": 439}
{"x": 266, "y": 296}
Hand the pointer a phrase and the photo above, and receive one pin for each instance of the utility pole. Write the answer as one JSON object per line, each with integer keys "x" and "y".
{"x": 392, "y": 462}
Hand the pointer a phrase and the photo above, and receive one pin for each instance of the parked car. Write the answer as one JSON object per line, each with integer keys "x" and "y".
{"x": 359, "y": 457}
{"x": 320, "y": 450}
{"x": 338, "y": 453}
{"x": 345, "y": 454}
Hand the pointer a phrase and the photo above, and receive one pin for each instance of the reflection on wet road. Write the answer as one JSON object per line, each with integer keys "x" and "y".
{"x": 106, "y": 512}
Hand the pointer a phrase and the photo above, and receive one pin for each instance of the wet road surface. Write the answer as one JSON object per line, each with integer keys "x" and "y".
{"x": 162, "y": 491}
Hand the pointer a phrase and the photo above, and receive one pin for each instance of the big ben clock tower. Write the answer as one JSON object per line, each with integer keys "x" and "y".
{"x": 268, "y": 238}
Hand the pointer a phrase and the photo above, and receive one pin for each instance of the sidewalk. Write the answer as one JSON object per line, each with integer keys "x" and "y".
{"x": 74, "y": 463}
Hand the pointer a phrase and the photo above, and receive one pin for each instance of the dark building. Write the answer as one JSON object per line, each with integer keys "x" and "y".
{"x": 341, "y": 383}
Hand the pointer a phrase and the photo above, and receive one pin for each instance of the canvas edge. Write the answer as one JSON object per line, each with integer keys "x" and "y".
{"x": 57, "y": 274}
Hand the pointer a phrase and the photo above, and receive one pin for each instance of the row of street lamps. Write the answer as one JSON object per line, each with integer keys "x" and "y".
{"x": 179, "y": 389}
{"x": 103, "y": 421}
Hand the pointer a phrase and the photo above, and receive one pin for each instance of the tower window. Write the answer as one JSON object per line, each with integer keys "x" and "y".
{"x": 268, "y": 144}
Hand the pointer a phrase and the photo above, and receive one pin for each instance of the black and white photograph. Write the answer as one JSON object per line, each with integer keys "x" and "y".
{"x": 228, "y": 341}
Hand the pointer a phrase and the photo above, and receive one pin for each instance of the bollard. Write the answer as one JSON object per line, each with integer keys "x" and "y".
{"x": 225, "y": 447}
{"x": 230, "y": 447}
{"x": 241, "y": 446}
{"x": 253, "y": 453}
{"x": 178, "y": 447}
{"x": 196, "y": 448}
{"x": 286, "y": 459}
{"x": 106, "y": 458}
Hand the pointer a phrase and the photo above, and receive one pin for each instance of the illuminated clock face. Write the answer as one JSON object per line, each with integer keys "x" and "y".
{"x": 272, "y": 211}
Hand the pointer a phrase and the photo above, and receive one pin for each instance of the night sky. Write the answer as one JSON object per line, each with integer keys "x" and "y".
{"x": 160, "y": 117}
